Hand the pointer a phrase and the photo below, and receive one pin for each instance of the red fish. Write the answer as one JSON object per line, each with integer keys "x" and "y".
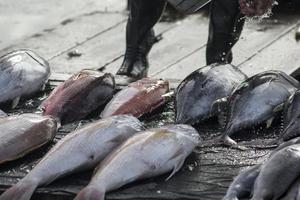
{"x": 138, "y": 98}
{"x": 79, "y": 96}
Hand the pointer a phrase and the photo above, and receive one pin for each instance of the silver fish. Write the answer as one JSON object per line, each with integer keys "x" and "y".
{"x": 80, "y": 150}
{"x": 198, "y": 94}
{"x": 242, "y": 185}
{"x": 22, "y": 73}
{"x": 258, "y": 99}
{"x": 21, "y": 134}
{"x": 277, "y": 174}
{"x": 150, "y": 153}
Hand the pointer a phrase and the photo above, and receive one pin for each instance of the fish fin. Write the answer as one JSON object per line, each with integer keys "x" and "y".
{"x": 91, "y": 193}
{"x": 15, "y": 102}
{"x": 269, "y": 122}
{"x": 168, "y": 96}
{"x": 20, "y": 191}
{"x": 228, "y": 141}
{"x": 180, "y": 160}
{"x": 218, "y": 106}
{"x": 279, "y": 108}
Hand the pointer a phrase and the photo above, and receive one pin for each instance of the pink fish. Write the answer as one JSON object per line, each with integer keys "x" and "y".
{"x": 79, "y": 96}
{"x": 138, "y": 98}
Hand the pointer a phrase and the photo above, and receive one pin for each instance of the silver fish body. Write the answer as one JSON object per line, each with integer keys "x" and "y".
{"x": 150, "y": 153}
{"x": 277, "y": 174}
{"x": 258, "y": 99}
{"x": 197, "y": 93}
{"x": 22, "y": 73}
{"x": 242, "y": 185}
{"x": 21, "y": 134}
{"x": 78, "y": 151}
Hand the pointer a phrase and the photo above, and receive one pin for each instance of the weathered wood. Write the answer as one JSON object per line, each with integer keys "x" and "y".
{"x": 283, "y": 54}
{"x": 22, "y": 18}
{"x": 255, "y": 37}
{"x": 69, "y": 34}
{"x": 102, "y": 50}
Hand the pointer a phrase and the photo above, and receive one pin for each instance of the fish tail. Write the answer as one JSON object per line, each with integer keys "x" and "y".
{"x": 91, "y": 193}
{"x": 20, "y": 191}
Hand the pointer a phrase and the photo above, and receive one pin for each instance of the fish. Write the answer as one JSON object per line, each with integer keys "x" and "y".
{"x": 81, "y": 150}
{"x": 291, "y": 118}
{"x": 147, "y": 154}
{"x": 21, "y": 134}
{"x": 138, "y": 98}
{"x": 197, "y": 94}
{"x": 243, "y": 184}
{"x": 78, "y": 96}
{"x": 277, "y": 174}
{"x": 257, "y": 100}
{"x": 22, "y": 74}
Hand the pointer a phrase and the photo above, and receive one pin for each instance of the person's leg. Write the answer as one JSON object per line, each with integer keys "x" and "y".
{"x": 225, "y": 27}
{"x": 144, "y": 14}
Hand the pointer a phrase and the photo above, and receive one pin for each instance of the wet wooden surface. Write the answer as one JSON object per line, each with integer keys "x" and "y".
{"x": 96, "y": 29}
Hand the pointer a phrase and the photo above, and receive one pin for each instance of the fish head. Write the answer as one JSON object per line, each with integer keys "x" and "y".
{"x": 186, "y": 131}
{"x": 128, "y": 123}
{"x": 256, "y": 100}
{"x": 197, "y": 93}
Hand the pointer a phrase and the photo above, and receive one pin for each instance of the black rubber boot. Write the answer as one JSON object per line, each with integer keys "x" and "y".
{"x": 225, "y": 27}
{"x": 140, "y": 36}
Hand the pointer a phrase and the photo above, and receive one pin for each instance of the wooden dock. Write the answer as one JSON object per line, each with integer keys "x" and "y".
{"x": 96, "y": 29}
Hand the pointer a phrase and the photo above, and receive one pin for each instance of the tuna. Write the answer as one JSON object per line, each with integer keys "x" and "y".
{"x": 258, "y": 99}
{"x": 22, "y": 73}
{"x": 78, "y": 151}
{"x": 138, "y": 98}
{"x": 150, "y": 153}
{"x": 21, "y": 134}
{"x": 79, "y": 96}
{"x": 198, "y": 92}
{"x": 277, "y": 174}
{"x": 291, "y": 118}
{"x": 242, "y": 185}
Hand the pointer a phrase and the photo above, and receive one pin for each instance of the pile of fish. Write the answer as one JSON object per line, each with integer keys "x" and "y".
{"x": 119, "y": 148}
{"x": 277, "y": 178}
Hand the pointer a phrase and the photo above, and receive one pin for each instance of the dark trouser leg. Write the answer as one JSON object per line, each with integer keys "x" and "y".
{"x": 144, "y": 14}
{"x": 225, "y": 27}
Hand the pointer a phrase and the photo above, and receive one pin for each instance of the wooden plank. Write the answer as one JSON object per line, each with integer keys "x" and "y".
{"x": 100, "y": 50}
{"x": 175, "y": 45}
{"x": 22, "y": 18}
{"x": 71, "y": 33}
{"x": 257, "y": 35}
{"x": 284, "y": 54}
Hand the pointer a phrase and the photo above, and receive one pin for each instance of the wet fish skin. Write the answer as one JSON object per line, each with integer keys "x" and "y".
{"x": 23, "y": 72}
{"x": 291, "y": 118}
{"x": 150, "y": 153}
{"x": 258, "y": 99}
{"x": 243, "y": 184}
{"x": 282, "y": 168}
{"x": 79, "y": 96}
{"x": 197, "y": 92}
{"x": 24, "y": 133}
{"x": 138, "y": 98}
{"x": 80, "y": 150}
